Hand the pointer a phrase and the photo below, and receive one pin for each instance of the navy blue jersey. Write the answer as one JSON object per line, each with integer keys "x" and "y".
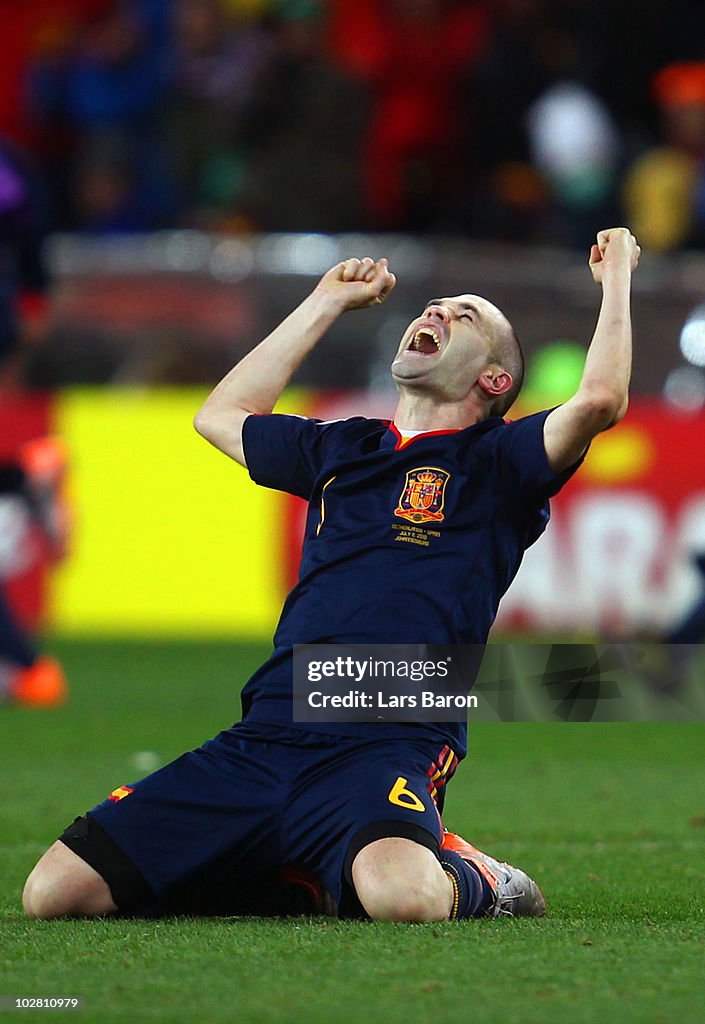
{"x": 411, "y": 542}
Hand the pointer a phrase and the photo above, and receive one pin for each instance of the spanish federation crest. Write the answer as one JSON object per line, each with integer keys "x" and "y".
{"x": 421, "y": 500}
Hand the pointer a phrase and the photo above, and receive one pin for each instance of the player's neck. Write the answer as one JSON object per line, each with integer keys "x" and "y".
{"x": 423, "y": 412}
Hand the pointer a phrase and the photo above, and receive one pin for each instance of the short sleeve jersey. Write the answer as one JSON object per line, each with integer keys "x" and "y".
{"x": 405, "y": 542}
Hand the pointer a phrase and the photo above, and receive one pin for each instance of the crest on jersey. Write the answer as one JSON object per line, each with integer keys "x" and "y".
{"x": 421, "y": 501}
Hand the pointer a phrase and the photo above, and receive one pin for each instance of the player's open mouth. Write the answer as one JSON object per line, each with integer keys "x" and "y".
{"x": 425, "y": 340}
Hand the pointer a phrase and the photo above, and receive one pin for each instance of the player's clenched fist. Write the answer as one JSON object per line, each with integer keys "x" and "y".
{"x": 355, "y": 284}
{"x": 615, "y": 246}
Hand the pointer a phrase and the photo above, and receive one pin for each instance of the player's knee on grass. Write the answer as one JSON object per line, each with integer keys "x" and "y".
{"x": 400, "y": 880}
{"x": 63, "y": 885}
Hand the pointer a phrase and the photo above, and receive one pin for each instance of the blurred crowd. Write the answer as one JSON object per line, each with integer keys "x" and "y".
{"x": 498, "y": 119}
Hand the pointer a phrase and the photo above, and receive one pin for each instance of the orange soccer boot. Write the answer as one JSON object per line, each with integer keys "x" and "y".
{"x": 43, "y": 684}
{"x": 515, "y": 894}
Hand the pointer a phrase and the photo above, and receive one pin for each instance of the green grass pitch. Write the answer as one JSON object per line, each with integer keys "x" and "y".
{"x": 609, "y": 818}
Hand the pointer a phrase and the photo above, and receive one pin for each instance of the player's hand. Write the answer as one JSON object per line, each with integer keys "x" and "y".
{"x": 356, "y": 284}
{"x": 615, "y": 246}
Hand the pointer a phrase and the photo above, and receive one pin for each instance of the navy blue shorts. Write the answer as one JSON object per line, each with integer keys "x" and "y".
{"x": 259, "y": 797}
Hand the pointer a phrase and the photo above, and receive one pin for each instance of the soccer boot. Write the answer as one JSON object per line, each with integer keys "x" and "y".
{"x": 515, "y": 894}
{"x": 41, "y": 685}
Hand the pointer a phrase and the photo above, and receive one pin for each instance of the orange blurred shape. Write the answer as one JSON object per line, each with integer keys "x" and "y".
{"x": 42, "y": 685}
{"x": 44, "y": 458}
{"x": 622, "y": 456}
{"x": 680, "y": 84}
{"x": 518, "y": 184}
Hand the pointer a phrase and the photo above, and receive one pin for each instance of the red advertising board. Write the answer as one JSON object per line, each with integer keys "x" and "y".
{"x": 617, "y": 556}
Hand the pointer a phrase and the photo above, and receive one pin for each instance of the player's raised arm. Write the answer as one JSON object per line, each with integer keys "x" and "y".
{"x": 258, "y": 380}
{"x": 603, "y": 395}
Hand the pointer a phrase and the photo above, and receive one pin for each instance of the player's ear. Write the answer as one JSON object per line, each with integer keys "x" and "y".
{"x": 495, "y": 381}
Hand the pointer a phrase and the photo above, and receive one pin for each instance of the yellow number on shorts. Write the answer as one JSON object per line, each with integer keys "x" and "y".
{"x": 403, "y": 797}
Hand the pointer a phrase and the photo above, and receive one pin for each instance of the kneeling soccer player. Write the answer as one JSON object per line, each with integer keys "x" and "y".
{"x": 356, "y": 805}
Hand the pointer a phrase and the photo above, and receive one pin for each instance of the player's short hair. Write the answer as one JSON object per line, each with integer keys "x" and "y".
{"x": 506, "y": 350}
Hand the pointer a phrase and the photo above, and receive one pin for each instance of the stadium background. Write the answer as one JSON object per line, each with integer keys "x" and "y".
{"x": 170, "y": 150}
{"x": 188, "y": 169}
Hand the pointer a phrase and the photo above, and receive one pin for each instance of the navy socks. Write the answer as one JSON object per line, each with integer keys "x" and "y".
{"x": 472, "y": 894}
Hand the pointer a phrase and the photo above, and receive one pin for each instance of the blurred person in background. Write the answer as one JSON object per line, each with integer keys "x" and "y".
{"x": 548, "y": 163}
{"x": 530, "y": 45}
{"x": 218, "y": 61}
{"x": 104, "y": 89}
{"x": 413, "y": 55}
{"x": 575, "y": 147}
{"x": 30, "y": 28}
{"x": 664, "y": 189}
{"x": 35, "y": 523}
{"x": 303, "y": 131}
{"x": 31, "y": 475}
{"x": 48, "y": 32}
{"x": 23, "y": 275}
{"x": 691, "y": 627}
{"x": 667, "y": 665}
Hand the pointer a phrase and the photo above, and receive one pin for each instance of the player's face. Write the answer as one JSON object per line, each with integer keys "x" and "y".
{"x": 448, "y": 346}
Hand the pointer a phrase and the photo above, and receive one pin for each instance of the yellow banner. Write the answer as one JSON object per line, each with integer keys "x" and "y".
{"x": 171, "y": 537}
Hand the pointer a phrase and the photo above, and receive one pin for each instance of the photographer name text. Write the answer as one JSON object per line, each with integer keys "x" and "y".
{"x": 385, "y": 701}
